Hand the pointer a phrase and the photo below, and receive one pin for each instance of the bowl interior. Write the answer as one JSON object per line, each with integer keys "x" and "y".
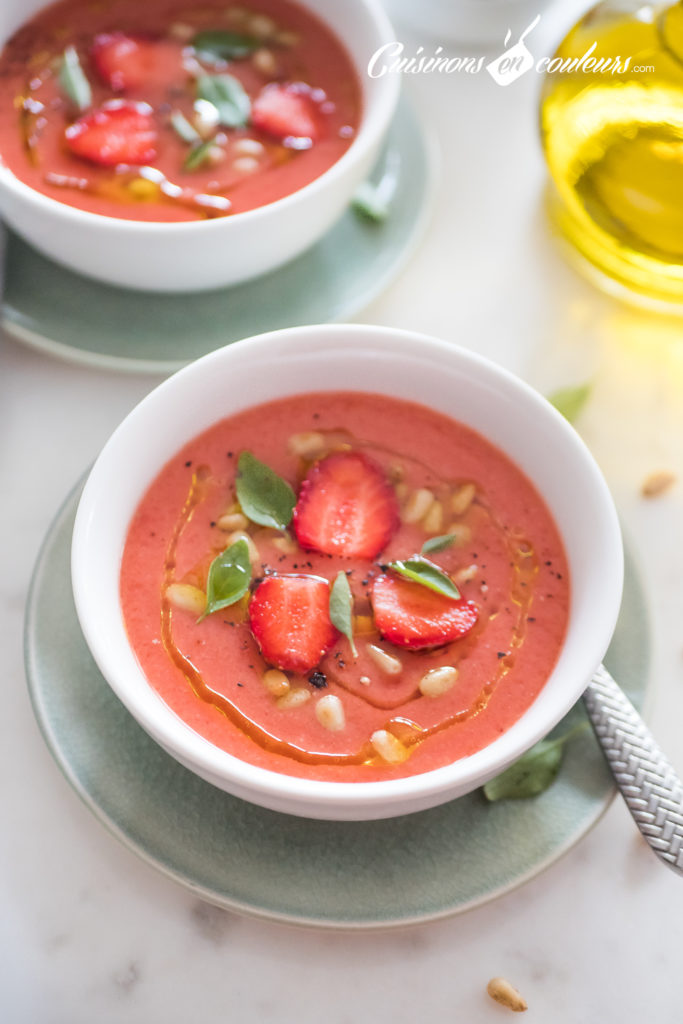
{"x": 451, "y": 380}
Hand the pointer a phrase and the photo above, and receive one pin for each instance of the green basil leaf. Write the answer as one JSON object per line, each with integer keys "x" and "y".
{"x": 421, "y": 570}
{"x": 368, "y": 201}
{"x": 438, "y": 543}
{"x": 264, "y": 496}
{"x": 229, "y": 578}
{"x": 570, "y": 401}
{"x": 532, "y": 774}
{"x": 73, "y": 82}
{"x": 215, "y": 45}
{"x": 227, "y": 95}
{"x": 198, "y": 155}
{"x": 341, "y": 608}
{"x": 183, "y": 128}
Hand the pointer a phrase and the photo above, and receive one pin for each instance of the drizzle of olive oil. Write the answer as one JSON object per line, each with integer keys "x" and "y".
{"x": 614, "y": 146}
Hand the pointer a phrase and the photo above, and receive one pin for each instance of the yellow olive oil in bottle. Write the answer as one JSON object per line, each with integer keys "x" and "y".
{"x": 613, "y": 139}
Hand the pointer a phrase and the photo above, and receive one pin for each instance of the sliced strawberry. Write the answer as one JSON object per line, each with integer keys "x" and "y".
{"x": 346, "y": 506}
{"x": 290, "y": 619}
{"x": 413, "y": 616}
{"x": 123, "y": 62}
{"x": 116, "y": 133}
{"x": 287, "y": 111}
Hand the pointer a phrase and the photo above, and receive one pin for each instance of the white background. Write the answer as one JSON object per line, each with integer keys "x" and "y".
{"x": 90, "y": 933}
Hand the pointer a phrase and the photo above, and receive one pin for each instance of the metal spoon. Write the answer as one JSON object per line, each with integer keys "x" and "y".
{"x": 648, "y": 783}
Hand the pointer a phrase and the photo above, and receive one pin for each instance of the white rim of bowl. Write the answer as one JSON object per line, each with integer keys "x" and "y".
{"x": 373, "y": 125}
{"x": 252, "y": 781}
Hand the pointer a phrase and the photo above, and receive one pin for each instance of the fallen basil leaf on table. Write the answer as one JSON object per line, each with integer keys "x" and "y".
{"x": 264, "y": 497}
{"x": 341, "y": 609}
{"x": 369, "y": 203}
{"x": 534, "y": 772}
{"x": 570, "y": 401}
{"x": 421, "y": 570}
{"x": 229, "y": 578}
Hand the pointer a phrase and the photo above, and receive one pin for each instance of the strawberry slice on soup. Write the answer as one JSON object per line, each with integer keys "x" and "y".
{"x": 287, "y": 112}
{"x": 289, "y": 617}
{"x": 123, "y": 62}
{"x": 346, "y": 506}
{"x": 119, "y": 132}
{"x": 413, "y": 616}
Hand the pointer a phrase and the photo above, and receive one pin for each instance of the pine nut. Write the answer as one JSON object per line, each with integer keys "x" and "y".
{"x": 287, "y": 38}
{"x": 462, "y": 498}
{"x": 276, "y": 682}
{"x": 294, "y": 698}
{"x": 186, "y": 598}
{"x": 232, "y": 538}
{"x": 417, "y": 506}
{"x": 504, "y": 993}
{"x": 285, "y": 544}
{"x": 248, "y": 147}
{"x": 182, "y": 32}
{"x": 261, "y": 26}
{"x": 232, "y": 521}
{"x": 657, "y": 483}
{"x": 388, "y": 747}
{"x": 438, "y": 681}
{"x": 206, "y": 118}
{"x": 433, "y": 521}
{"x": 365, "y": 680}
{"x": 245, "y": 164}
{"x": 461, "y": 533}
{"x": 384, "y": 661}
{"x": 329, "y": 711}
{"x": 306, "y": 444}
{"x": 467, "y": 574}
{"x": 264, "y": 61}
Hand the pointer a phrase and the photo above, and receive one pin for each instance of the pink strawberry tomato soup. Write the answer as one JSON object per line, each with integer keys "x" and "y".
{"x": 173, "y": 111}
{"x": 272, "y": 677}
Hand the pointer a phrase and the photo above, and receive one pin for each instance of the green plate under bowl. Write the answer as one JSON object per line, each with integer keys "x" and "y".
{"x": 54, "y": 309}
{"x": 330, "y": 874}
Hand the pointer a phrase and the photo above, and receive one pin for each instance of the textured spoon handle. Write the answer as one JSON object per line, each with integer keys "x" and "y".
{"x": 648, "y": 783}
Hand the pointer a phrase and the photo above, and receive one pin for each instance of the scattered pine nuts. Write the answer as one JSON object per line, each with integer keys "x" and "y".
{"x": 294, "y": 698}
{"x": 232, "y": 538}
{"x": 365, "y": 680}
{"x": 232, "y": 521}
{"x": 438, "y": 681}
{"x": 245, "y": 164}
{"x": 276, "y": 682}
{"x": 248, "y": 147}
{"x": 287, "y": 38}
{"x": 264, "y": 60}
{"x": 388, "y": 747}
{"x": 261, "y": 26}
{"x": 329, "y": 711}
{"x": 504, "y": 993}
{"x": 206, "y": 118}
{"x": 186, "y": 598}
{"x": 657, "y": 483}
{"x": 387, "y": 663}
{"x": 285, "y": 544}
{"x": 417, "y": 506}
{"x": 461, "y": 533}
{"x": 467, "y": 574}
{"x": 462, "y": 498}
{"x": 433, "y": 521}
{"x": 181, "y": 31}
{"x": 307, "y": 444}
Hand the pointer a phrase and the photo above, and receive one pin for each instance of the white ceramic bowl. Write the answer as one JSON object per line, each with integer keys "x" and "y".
{"x": 372, "y": 359}
{"x": 193, "y": 256}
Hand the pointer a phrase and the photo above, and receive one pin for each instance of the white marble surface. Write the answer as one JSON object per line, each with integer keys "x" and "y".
{"x": 90, "y": 933}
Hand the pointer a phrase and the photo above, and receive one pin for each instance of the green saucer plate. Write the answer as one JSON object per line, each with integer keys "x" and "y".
{"x": 327, "y": 874}
{"x": 75, "y": 318}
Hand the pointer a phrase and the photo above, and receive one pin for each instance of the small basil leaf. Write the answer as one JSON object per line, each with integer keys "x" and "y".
{"x": 229, "y": 578}
{"x": 438, "y": 543}
{"x": 215, "y": 45}
{"x": 341, "y": 608}
{"x": 73, "y": 82}
{"x": 532, "y": 774}
{"x": 369, "y": 202}
{"x": 183, "y": 128}
{"x": 227, "y": 95}
{"x": 570, "y": 401}
{"x": 421, "y": 570}
{"x": 198, "y": 155}
{"x": 264, "y": 496}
